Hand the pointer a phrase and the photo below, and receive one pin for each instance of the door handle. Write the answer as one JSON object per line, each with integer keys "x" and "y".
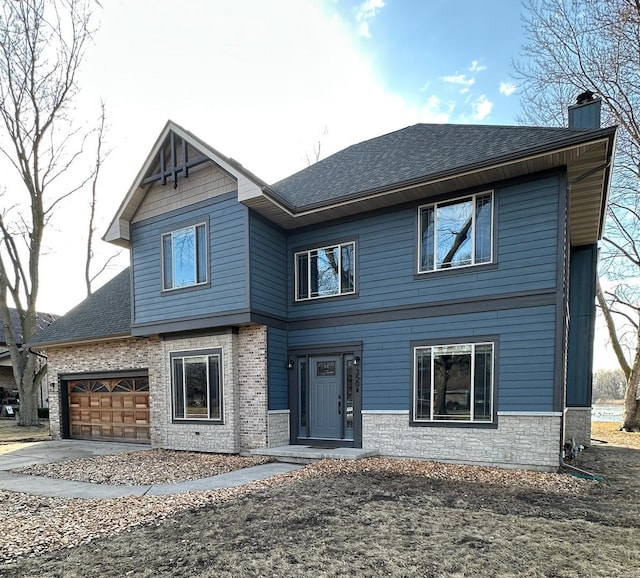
{"x": 339, "y": 405}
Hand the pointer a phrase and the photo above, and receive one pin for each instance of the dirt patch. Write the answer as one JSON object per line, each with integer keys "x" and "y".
{"x": 11, "y": 432}
{"x": 378, "y": 517}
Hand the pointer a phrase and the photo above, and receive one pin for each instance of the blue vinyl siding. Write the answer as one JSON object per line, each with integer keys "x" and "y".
{"x": 226, "y": 221}
{"x": 582, "y": 310}
{"x": 525, "y": 354}
{"x": 277, "y": 368}
{"x": 525, "y": 255}
{"x": 268, "y": 250}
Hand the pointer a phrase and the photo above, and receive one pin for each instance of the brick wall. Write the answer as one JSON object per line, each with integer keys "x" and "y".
{"x": 198, "y": 436}
{"x": 577, "y": 425}
{"x": 252, "y": 381}
{"x": 520, "y": 441}
{"x": 244, "y": 378}
{"x": 105, "y": 356}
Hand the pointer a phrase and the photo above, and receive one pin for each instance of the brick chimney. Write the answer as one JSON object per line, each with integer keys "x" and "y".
{"x": 585, "y": 114}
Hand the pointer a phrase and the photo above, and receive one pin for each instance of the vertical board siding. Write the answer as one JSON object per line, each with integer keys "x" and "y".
{"x": 277, "y": 368}
{"x": 525, "y": 354}
{"x": 226, "y": 221}
{"x": 268, "y": 258}
{"x": 582, "y": 310}
{"x": 526, "y": 225}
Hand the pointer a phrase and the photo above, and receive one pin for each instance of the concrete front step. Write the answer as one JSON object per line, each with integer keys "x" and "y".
{"x": 308, "y": 454}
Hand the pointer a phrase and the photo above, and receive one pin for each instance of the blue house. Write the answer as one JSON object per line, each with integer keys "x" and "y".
{"x": 426, "y": 293}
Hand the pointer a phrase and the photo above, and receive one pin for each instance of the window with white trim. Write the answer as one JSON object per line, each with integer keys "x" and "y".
{"x": 184, "y": 257}
{"x": 453, "y": 383}
{"x": 456, "y": 233}
{"x": 196, "y": 381}
{"x": 325, "y": 271}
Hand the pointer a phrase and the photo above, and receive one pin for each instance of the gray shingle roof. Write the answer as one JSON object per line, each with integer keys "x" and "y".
{"x": 417, "y": 152}
{"x": 43, "y": 320}
{"x": 105, "y": 313}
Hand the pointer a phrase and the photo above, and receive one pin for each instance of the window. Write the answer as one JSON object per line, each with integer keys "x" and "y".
{"x": 184, "y": 257}
{"x": 325, "y": 272}
{"x": 456, "y": 233}
{"x": 196, "y": 379}
{"x": 453, "y": 383}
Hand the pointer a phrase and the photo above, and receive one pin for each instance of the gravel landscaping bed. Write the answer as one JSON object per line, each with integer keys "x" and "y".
{"x": 32, "y": 525}
{"x": 143, "y": 468}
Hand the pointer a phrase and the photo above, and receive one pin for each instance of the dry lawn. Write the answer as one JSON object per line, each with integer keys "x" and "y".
{"x": 387, "y": 521}
{"x": 11, "y": 433}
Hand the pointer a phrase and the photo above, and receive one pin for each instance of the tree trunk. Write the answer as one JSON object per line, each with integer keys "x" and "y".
{"x": 27, "y": 380}
{"x": 631, "y": 412}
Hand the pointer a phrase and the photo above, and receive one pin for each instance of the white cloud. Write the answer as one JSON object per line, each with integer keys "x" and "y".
{"x": 482, "y": 107}
{"x": 366, "y": 12}
{"x": 435, "y": 110}
{"x": 507, "y": 88}
{"x": 475, "y": 67}
{"x": 458, "y": 79}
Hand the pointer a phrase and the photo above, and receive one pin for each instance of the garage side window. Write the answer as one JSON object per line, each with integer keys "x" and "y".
{"x": 453, "y": 383}
{"x": 196, "y": 379}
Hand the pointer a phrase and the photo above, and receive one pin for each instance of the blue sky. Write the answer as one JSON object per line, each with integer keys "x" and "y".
{"x": 457, "y": 55}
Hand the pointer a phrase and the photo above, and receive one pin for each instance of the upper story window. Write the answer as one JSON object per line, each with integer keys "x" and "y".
{"x": 184, "y": 257}
{"x": 456, "y": 233}
{"x": 453, "y": 383}
{"x": 325, "y": 271}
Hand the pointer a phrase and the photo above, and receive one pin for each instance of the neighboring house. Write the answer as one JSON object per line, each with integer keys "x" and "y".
{"x": 426, "y": 293}
{"x": 8, "y": 386}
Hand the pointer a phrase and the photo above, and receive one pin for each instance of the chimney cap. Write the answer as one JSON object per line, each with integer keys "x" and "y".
{"x": 585, "y": 97}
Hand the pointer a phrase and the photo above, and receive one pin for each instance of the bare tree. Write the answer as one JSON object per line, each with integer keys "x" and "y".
{"x": 609, "y": 384}
{"x": 573, "y": 45}
{"x": 42, "y": 44}
{"x": 317, "y": 149}
{"x": 101, "y": 155}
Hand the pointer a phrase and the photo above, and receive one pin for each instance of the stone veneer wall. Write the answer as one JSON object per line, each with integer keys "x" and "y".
{"x": 278, "y": 428}
{"x": 519, "y": 441}
{"x": 98, "y": 357}
{"x": 577, "y": 425}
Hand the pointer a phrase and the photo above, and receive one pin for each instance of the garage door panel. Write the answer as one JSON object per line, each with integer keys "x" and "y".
{"x": 110, "y": 408}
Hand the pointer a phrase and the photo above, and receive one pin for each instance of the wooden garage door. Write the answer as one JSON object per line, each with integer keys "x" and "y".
{"x": 109, "y": 409}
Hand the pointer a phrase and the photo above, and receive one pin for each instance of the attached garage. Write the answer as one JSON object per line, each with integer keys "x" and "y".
{"x": 109, "y": 408}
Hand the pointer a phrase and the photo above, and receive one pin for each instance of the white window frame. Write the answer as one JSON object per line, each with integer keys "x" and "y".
{"x": 194, "y": 354}
{"x": 473, "y": 198}
{"x": 170, "y": 234}
{"x": 472, "y": 420}
{"x": 308, "y": 252}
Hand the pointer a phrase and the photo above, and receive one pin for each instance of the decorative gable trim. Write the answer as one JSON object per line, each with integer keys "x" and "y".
{"x": 169, "y": 159}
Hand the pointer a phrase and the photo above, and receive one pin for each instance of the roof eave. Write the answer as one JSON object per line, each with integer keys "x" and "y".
{"x": 268, "y": 203}
{"x": 83, "y": 341}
